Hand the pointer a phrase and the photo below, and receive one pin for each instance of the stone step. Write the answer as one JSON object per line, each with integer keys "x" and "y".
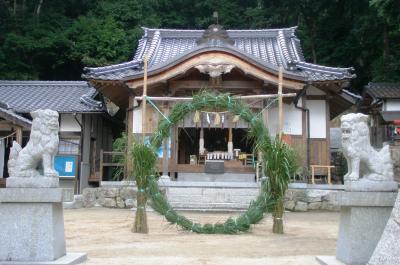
{"x": 199, "y": 197}
{"x": 209, "y": 206}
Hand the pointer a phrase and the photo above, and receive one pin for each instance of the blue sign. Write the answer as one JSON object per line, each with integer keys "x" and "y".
{"x": 65, "y": 165}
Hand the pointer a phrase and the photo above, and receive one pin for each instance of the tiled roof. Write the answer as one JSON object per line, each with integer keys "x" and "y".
{"x": 269, "y": 47}
{"x": 10, "y": 115}
{"x": 61, "y": 96}
{"x": 383, "y": 90}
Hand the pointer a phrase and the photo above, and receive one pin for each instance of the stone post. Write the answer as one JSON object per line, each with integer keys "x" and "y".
{"x": 31, "y": 211}
{"x": 369, "y": 195}
{"x": 32, "y": 226}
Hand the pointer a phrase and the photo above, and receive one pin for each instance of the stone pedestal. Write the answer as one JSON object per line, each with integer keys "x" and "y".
{"x": 32, "y": 226}
{"x": 363, "y": 218}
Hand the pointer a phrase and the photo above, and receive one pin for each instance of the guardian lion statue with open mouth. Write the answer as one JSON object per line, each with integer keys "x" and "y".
{"x": 362, "y": 158}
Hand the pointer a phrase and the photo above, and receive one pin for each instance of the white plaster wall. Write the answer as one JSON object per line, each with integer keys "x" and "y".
{"x": 317, "y": 118}
{"x": 315, "y": 91}
{"x": 392, "y": 105}
{"x": 137, "y": 120}
{"x": 69, "y": 124}
{"x": 292, "y": 120}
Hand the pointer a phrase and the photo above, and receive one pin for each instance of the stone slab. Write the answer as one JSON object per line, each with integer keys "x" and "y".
{"x": 387, "y": 251}
{"x": 209, "y": 177}
{"x": 214, "y": 166}
{"x": 216, "y": 184}
{"x": 31, "y": 231}
{"x": 328, "y": 260}
{"x": 316, "y": 186}
{"x": 68, "y": 259}
{"x": 19, "y": 195}
{"x": 32, "y": 182}
{"x": 363, "y": 217}
{"x": 369, "y": 185}
{"x": 367, "y": 199}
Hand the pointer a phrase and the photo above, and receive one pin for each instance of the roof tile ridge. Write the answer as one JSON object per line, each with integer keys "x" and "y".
{"x": 153, "y": 45}
{"x": 282, "y": 43}
{"x": 173, "y": 30}
{"x": 327, "y": 68}
{"x": 42, "y": 82}
{"x": 88, "y": 99}
{"x": 112, "y": 67}
{"x": 141, "y": 45}
{"x": 288, "y": 29}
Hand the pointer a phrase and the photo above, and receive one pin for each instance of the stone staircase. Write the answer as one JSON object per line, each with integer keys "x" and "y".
{"x": 210, "y": 196}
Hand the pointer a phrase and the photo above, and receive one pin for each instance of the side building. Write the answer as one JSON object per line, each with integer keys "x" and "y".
{"x": 85, "y": 126}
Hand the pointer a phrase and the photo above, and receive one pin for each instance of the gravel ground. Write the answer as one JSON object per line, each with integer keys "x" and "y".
{"x": 105, "y": 235}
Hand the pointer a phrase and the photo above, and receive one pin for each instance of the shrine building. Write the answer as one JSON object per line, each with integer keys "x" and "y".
{"x": 239, "y": 62}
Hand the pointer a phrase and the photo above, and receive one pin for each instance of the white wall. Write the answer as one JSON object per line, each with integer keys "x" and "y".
{"x": 317, "y": 118}
{"x": 315, "y": 91}
{"x": 292, "y": 122}
{"x": 137, "y": 120}
{"x": 69, "y": 124}
{"x": 391, "y": 105}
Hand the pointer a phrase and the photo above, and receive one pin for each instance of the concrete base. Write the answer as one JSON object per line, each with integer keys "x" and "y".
{"x": 226, "y": 177}
{"x": 328, "y": 260}
{"x": 32, "y": 224}
{"x": 68, "y": 259}
{"x": 362, "y": 221}
{"x": 35, "y": 182}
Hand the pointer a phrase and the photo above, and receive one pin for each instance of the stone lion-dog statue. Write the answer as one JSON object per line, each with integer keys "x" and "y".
{"x": 362, "y": 158}
{"x": 41, "y": 148}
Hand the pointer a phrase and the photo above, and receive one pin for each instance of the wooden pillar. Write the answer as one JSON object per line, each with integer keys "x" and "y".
{"x": 328, "y": 131}
{"x": 230, "y": 142}
{"x": 174, "y": 151}
{"x": 18, "y": 135}
{"x": 129, "y": 134}
{"x": 165, "y": 145}
{"x": 201, "y": 141}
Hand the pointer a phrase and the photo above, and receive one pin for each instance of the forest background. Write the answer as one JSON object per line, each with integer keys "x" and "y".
{"x": 55, "y": 39}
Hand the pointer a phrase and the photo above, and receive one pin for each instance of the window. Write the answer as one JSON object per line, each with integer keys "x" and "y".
{"x": 68, "y": 146}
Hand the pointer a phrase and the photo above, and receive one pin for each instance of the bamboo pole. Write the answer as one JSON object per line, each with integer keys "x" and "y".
{"x": 140, "y": 225}
{"x": 277, "y": 227}
{"x": 144, "y": 95}
{"x": 280, "y": 107}
{"x": 288, "y": 95}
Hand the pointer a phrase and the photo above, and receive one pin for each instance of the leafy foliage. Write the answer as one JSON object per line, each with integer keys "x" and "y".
{"x": 279, "y": 164}
{"x": 55, "y": 39}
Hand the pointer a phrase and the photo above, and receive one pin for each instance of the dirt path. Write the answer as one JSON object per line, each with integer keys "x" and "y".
{"x": 105, "y": 235}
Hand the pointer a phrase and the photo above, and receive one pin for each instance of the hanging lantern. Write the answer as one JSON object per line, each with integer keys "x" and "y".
{"x": 217, "y": 119}
{"x": 208, "y": 119}
{"x": 196, "y": 118}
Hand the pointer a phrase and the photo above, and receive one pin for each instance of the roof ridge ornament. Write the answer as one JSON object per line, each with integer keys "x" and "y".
{"x": 215, "y": 34}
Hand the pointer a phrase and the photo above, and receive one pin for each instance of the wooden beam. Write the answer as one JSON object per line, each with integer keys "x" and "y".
{"x": 235, "y": 97}
{"x": 196, "y": 84}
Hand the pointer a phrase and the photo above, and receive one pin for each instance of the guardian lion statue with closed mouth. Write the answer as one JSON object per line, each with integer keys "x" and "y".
{"x": 40, "y": 150}
{"x": 362, "y": 159}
